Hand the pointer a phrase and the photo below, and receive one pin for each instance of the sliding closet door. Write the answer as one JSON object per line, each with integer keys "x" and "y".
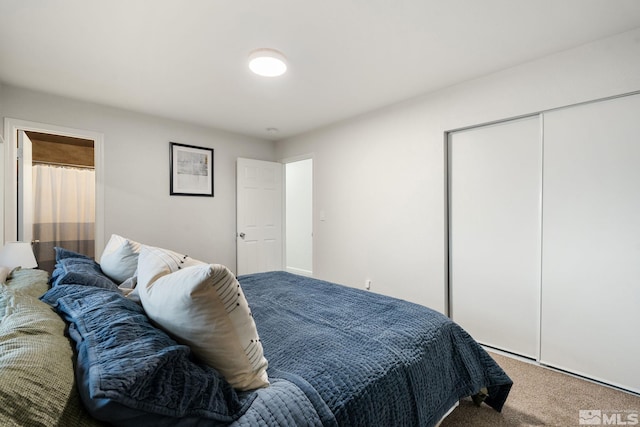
{"x": 494, "y": 233}
{"x": 591, "y": 241}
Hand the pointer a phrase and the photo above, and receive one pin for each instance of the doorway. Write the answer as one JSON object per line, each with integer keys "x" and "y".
{"x": 53, "y": 189}
{"x": 299, "y": 216}
{"x": 274, "y": 215}
{"x": 63, "y": 172}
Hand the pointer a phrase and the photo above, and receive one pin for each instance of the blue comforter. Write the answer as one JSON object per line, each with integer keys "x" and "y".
{"x": 337, "y": 356}
{"x": 374, "y": 360}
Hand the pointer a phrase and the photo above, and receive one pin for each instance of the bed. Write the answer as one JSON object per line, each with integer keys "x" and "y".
{"x": 337, "y": 356}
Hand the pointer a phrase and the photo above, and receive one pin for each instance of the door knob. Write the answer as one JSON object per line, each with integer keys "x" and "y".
{"x": 242, "y": 235}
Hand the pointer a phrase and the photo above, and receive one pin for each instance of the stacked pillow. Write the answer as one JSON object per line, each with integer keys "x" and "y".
{"x": 129, "y": 371}
{"x": 201, "y": 305}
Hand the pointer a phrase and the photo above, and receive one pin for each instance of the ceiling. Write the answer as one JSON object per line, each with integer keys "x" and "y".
{"x": 187, "y": 60}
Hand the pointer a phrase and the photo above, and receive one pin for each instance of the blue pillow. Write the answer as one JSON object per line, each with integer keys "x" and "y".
{"x": 130, "y": 373}
{"x": 76, "y": 269}
{"x": 62, "y": 253}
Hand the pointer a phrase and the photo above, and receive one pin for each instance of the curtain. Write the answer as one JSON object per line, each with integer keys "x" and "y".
{"x": 64, "y": 212}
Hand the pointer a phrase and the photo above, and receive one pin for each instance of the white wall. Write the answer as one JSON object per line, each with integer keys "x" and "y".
{"x": 380, "y": 177}
{"x": 136, "y": 175}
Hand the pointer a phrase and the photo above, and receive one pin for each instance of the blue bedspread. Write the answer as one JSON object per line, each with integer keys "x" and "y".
{"x": 374, "y": 360}
{"x": 337, "y": 356}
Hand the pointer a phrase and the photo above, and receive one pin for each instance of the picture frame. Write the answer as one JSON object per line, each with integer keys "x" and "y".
{"x": 191, "y": 170}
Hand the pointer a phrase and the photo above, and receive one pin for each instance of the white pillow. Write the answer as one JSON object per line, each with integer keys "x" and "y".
{"x": 203, "y": 306}
{"x": 119, "y": 259}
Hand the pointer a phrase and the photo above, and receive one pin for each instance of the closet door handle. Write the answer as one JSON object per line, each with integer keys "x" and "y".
{"x": 242, "y": 235}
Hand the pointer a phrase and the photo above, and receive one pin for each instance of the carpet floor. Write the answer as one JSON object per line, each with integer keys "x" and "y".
{"x": 545, "y": 397}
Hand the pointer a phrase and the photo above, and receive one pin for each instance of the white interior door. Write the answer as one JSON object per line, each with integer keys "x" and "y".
{"x": 495, "y": 178}
{"x": 591, "y": 241}
{"x": 25, "y": 187}
{"x": 259, "y": 216}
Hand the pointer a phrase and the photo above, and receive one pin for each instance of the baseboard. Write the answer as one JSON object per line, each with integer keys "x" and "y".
{"x": 551, "y": 368}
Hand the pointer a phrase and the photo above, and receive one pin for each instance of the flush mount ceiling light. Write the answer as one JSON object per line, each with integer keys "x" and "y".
{"x": 267, "y": 62}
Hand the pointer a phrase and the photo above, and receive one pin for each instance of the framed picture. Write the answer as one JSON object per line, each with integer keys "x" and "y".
{"x": 191, "y": 170}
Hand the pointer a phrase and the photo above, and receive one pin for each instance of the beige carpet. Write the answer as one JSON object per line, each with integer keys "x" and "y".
{"x": 544, "y": 397}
